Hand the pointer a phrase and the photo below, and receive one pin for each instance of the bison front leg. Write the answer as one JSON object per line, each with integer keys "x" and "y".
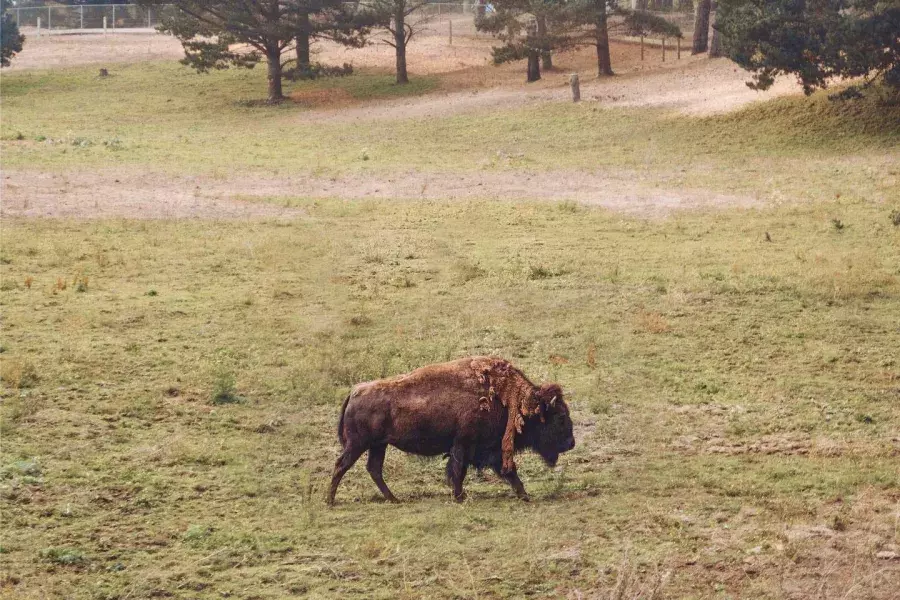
{"x": 374, "y": 466}
{"x": 346, "y": 460}
{"x": 456, "y": 469}
{"x": 512, "y": 478}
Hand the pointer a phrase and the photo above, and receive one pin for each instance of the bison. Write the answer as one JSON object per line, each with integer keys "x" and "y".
{"x": 479, "y": 411}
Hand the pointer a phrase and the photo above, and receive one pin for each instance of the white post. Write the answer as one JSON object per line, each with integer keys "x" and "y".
{"x": 450, "y": 22}
{"x": 82, "y": 16}
{"x": 49, "y": 23}
{"x": 148, "y": 18}
{"x": 39, "y": 27}
{"x": 114, "y": 17}
{"x": 104, "y": 24}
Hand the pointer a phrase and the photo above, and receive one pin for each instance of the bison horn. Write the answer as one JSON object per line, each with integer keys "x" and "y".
{"x": 553, "y": 401}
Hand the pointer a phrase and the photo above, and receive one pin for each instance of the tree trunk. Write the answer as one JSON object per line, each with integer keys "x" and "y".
{"x": 303, "y": 43}
{"x": 701, "y": 27}
{"x": 715, "y": 42}
{"x": 604, "y": 62}
{"x": 546, "y": 58}
{"x": 400, "y": 42}
{"x": 274, "y": 75}
{"x": 534, "y": 65}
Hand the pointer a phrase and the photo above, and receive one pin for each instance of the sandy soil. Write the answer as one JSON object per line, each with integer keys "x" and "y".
{"x": 695, "y": 87}
{"x": 50, "y": 51}
{"x": 427, "y": 54}
{"x": 158, "y": 196}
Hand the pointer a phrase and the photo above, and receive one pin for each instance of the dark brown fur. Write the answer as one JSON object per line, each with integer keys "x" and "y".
{"x": 478, "y": 410}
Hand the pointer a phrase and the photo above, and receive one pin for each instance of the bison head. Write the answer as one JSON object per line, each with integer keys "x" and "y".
{"x": 553, "y": 434}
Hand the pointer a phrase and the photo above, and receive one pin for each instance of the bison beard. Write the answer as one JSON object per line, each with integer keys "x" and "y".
{"x": 479, "y": 411}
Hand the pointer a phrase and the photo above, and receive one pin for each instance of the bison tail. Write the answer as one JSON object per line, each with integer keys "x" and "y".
{"x": 341, "y": 438}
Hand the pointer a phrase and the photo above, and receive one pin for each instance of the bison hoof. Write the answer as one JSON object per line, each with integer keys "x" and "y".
{"x": 525, "y": 498}
{"x": 460, "y": 498}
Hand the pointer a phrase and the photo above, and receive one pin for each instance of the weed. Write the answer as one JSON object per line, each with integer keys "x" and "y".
{"x": 569, "y": 206}
{"x": 28, "y": 281}
{"x": 464, "y": 271}
{"x": 67, "y": 557}
{"x": 81, "y": 283}
{"x": 653, "y": 322}
{"x": 224, "y": 391}
{"x": 18, "y": 374}
{"x": 837, "y": 224}
{"x": 541, "y": 272}
{"x": 895, "y": 218}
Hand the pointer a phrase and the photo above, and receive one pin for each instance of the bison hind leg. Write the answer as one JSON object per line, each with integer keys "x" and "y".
{"x": 346, "y": 460}
{"x": 374, "y": 466}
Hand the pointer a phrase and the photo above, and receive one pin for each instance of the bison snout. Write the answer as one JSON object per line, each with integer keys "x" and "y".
{"x": 569, "y": 445}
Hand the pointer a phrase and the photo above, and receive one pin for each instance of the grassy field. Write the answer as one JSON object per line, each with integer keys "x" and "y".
{"x": 165, "y": 117}
{"x": 170, "y": 389}
{"x": 736, "y": 402}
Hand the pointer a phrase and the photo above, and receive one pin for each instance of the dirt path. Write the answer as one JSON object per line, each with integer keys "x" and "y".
{"x": 158, "y": 196}
{"x": 696, "y": 87}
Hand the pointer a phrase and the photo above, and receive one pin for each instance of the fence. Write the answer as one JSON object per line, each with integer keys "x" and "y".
{"x": 90, "y": 16}
{"x": 131, "y": 16}
{"x": 444, "y": 18}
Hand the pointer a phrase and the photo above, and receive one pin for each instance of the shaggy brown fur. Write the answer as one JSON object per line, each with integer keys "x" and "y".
{"x": 478, "y": 410}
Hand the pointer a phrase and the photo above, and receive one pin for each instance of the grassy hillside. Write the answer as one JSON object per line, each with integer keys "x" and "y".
{"x": 165, "y": 117}
{"x": 735, "y": 402}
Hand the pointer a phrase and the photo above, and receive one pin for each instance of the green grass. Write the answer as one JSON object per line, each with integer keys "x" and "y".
{"x": 165, "y": 117}
{"x": 730, "y": 394}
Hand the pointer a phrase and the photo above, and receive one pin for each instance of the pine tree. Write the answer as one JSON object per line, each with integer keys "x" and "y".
{"x": 529, "y": 30}
{"x": 570, "y": 24}
{"x": 10, "y": 38}
{"x": 816, "y": 40}
{"x": 701, "y": 27}
{"x": 396, "y": 16}
{"x": 212, "y": 31}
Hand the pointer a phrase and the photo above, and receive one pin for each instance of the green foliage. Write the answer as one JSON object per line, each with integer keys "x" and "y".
{"x": 220, "y": 35}
{"x": 571, "y": 24}
{"x": 10, "y": 39}
{"x": 817, "y": 40}
{"x": 317, "y": 70}
{"x": 641, "y": 22}
{"x": 66, "y": 557}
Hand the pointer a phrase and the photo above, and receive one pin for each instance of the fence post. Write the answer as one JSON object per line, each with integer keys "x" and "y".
{"x": 104, "y": 24}
{"x": 678, "y": 57}
{"x": 49, "y": 22}
{"x": 114, "y": 17}
{"x": 450, "y": 22}
{"x": 39, "y": 27}
{"x": 576, "y": 87}
{"x": 664, "y": 49}
{"x": 642, "y": 48}
{"x": 81, "y": 15}
{"x": 149, "y": 26}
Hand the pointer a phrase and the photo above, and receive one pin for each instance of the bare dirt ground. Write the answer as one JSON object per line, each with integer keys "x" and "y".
{"x": 695, "y": 87}
{"x": 430, "y": 53}
{"x": 159, "y": 196}
{"x": 691, "y": 85}
{"x": 51, "y": 51}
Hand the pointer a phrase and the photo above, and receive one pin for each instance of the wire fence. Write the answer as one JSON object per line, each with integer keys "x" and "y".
{"x": 446, "y": 18}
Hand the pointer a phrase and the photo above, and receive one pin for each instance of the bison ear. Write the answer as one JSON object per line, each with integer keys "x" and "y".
{"x": 549, "y": 394}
